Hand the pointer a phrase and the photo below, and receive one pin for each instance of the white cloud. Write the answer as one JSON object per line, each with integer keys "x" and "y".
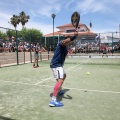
{"x": 45, "y": 11}
{"x": 68, "y": 4}
{"x": 57, "y": 7}
{"x": 43, "y": 8}
{"x": 4, "y": 16}
{"x": 40, "y": 12}
{"x": 91, "y": 6}
{"x": 21, "y": 1}
{"x": 33, "y": 13}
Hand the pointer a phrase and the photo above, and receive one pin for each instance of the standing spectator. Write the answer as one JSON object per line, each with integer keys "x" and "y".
{"x": 36, "y": 55}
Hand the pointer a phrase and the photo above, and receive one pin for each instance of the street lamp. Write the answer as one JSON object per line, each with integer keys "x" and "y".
{"x": 53, "y": 16}
{"x": 119, "y": 30}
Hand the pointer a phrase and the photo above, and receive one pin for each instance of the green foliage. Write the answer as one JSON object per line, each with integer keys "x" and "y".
{"x": 3, "y": 36}
{"x": 31, "y": 35}
{"x": 11, "y": 33}
{"x": 28, "y": 35}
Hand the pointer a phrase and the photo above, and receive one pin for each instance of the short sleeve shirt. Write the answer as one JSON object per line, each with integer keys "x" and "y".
{"x": 59, "y": 56}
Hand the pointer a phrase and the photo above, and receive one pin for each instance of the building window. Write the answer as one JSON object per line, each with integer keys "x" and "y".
{"x": 72, "y": 30}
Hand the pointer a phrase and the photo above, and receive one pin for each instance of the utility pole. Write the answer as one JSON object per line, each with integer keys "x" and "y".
{"x": 119, "y": 30}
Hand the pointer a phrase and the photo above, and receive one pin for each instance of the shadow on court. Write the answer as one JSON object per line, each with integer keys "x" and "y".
{"x": 5, "y": 118}
{"x": 65, "y": 96}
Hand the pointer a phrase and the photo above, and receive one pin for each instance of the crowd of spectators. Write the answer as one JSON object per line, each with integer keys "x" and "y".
{"x": 22, "y": 46}
{"x": 84, "y": 47}
{"x": 94, "y": 47}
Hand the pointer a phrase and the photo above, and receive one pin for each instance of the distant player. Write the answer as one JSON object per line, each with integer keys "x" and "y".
{"x": 36, "y": 55}
{"x": 105, "y": 52}
{"x": 56, "y": 65}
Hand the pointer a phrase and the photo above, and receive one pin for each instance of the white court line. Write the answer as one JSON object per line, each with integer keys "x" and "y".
{"x": 72, "y": 67}
{"x": 85, "y": 90}
{"x": 77, "y": 65}
{"x": 113, "y": 92}
{"x": 43, "y": 80}
{"x": 17, "y": 82}
{"x": 93, "y": 90}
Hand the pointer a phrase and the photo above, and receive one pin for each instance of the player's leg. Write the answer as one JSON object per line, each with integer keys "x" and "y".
{"x": 34, "y": 63}
{"x": 37, "y": 60}
{"x": 34, "y": 60}
{"x": 57, "y": 87}
{"x": 102, "y": 55}
{"x": 59, "y": 75}
{"x": 54, "y": 102}
{"x": 37, "y": 63}
{"x": 64, "y": 76}
{"x": 61, "y": 92}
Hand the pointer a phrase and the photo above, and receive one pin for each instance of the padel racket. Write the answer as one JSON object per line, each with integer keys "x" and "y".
{"x": 75, "y": 18}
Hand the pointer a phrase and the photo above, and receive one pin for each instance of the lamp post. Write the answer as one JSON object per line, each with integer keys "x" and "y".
{"x": 119, "y": 30}
{"x": 53, "y": 16}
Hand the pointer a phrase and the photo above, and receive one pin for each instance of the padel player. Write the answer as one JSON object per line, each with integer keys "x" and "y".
{"x": 56, "y": 65}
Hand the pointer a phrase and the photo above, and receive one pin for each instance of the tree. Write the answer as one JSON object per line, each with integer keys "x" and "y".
{"x": 3, "y": 36}
{"x": 28, "y": 35}
{"x": 15, "y": 20}
{"x": 10, "y": 34}
{"x": 23, "y": 18}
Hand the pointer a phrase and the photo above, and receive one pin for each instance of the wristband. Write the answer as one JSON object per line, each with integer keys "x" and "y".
{"x": 72, "y": 38}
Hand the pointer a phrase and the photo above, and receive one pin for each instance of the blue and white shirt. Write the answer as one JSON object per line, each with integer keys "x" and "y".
{"x": 36, "y": 49}
{"x": 59, "y": 56}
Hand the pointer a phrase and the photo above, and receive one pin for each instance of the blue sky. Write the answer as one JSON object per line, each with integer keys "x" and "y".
{"x": 104, "y": 14}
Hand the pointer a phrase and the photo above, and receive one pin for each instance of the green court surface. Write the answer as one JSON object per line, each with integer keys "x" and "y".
{"x": 25, "y": 92}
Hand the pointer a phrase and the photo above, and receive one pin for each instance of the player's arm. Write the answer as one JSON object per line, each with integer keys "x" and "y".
{"x": 68, "y": 40}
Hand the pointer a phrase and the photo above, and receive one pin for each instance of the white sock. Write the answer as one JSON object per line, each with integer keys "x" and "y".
{"x": 53, "y": 98}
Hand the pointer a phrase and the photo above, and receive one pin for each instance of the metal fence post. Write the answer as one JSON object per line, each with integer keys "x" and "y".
{"x": 17, "y": 48}
{"x": 30, "y": 50}
{"x": 112, "y": 42}
{"x": 48, "y": 48}
{"x": 99, "y": 42}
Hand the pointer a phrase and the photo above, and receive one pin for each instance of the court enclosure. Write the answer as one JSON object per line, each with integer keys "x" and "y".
{"x": 25, "y": 92}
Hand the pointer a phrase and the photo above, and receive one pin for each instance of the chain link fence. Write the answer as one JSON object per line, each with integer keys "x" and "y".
{"x": 16, "y": 47}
